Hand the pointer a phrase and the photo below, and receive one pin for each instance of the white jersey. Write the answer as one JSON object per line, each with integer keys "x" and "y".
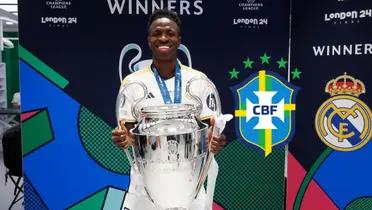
{"x": 136, "y": 197}
{"x": 199, "y": 88}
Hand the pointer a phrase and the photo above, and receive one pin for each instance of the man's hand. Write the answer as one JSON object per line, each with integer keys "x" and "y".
{"x": 216, "y": 143}
{"x": 121, "y": 137}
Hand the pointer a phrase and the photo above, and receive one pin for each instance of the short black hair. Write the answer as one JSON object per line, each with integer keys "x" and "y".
{"x": 164, "y": 13}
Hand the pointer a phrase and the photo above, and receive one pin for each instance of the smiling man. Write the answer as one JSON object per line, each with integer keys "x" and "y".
{"x": 164, "y": 37}
{"x": 166, "y": 80}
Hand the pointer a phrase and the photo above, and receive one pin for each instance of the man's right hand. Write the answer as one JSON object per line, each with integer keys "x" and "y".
{"x": 121, "y": 137}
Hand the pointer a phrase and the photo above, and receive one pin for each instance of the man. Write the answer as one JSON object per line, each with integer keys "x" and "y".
{"x": 165, "y": 79}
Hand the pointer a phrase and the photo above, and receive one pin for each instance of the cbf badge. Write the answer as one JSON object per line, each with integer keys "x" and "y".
{"x": 264, "y": 115}
{"x": 343, "y": 122}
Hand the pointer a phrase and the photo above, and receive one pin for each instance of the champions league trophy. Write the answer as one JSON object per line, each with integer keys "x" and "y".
{"x": 170, "y": 145}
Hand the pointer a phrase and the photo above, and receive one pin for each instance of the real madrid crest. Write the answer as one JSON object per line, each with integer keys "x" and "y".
{"x": 343, "y": 122}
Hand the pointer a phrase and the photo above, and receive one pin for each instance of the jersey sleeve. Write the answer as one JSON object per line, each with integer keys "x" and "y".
{"x": 209, "y": 100}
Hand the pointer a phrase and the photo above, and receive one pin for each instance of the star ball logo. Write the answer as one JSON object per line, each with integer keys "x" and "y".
{"x": 343, "y": 122}
{"x": 264, "y": 107}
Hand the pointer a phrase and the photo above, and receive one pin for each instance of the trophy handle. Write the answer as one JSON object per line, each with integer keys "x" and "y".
{"x": 190, "y": 94}
{"x": 199, "y": 103}
{"x": 185, "y": 50}
{"x": 120, "y": 102}
{"x": 215, "y": 132}
{"x": 125, "y": 49}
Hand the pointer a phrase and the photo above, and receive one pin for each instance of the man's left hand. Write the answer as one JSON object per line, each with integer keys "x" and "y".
{"x": 217, "y": 143}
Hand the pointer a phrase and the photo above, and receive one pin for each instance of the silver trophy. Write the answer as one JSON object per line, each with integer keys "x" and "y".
{"x": 170, "y": 146}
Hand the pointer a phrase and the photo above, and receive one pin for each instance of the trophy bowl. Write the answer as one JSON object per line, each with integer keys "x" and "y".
{"x": 170, "y": 149}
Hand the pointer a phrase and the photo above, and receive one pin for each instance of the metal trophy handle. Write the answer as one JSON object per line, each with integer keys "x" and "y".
{"x": 217, "y": 113}
{"x": 122, "y": 100}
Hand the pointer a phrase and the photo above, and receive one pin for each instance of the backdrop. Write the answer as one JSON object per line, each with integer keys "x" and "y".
{"x": 330, "y": 38}
{"x": 73, "y": 53}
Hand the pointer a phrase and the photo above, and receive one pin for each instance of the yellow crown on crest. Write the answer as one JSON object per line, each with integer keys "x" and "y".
{"x": 345, "y": 84}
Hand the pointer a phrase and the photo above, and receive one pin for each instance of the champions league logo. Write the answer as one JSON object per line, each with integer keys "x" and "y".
{"x": 343, "y": 122}
{"x": 250, "y": 5}
{"x": 58, "y": 4}
{"x": 265, "y": 112}
{"x": 252, "y": 21}
{"x": 136, "y": 63}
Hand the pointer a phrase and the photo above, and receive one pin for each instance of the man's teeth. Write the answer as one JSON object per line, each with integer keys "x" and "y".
{"x": 163, "y": 47}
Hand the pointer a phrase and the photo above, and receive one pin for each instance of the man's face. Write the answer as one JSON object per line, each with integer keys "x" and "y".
{"x": 164, "y": 39}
